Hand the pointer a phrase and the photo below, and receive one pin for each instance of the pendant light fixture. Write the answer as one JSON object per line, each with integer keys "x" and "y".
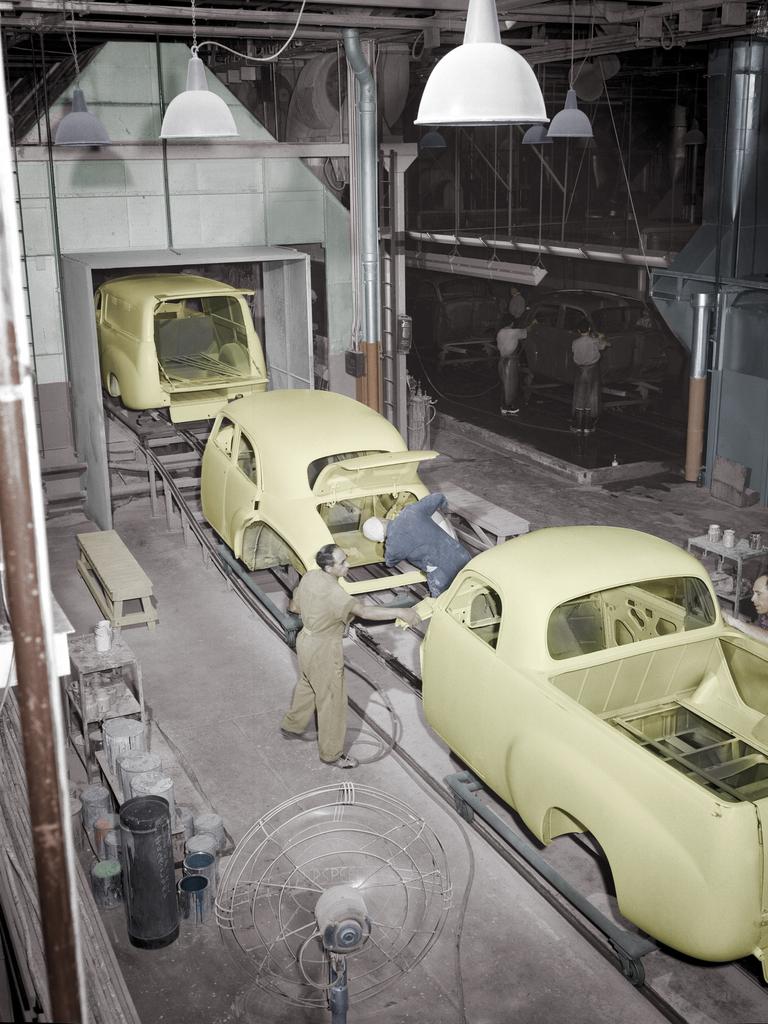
{"x": 571, "y": 123}
{"x": 197, "y": 113}
{"x": 80, "y": 127}
{"x": 536, "y": 136}
{"x": 481, "y": 82}
{"x": 431, "y": 141}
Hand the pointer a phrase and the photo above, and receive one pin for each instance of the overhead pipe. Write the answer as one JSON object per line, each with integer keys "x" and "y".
{"x": 367, "y": 185}
{"x": 697, "y": 385}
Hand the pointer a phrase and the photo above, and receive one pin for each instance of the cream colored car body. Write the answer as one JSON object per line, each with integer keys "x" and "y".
{"x": 655, "y": 741}
{"x": 178, "y": 341}
{"x": 256, "y": 488}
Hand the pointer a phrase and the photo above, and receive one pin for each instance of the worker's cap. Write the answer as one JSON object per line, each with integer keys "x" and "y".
{"x": 373, "y": 529}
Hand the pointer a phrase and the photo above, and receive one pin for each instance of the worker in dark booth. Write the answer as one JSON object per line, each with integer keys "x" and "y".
{"x": 759, "y": 628}
{"x": 325, "y": 609}
{"x": 413, "y": 536}
{"x": 587, "y": 350}
{"x": 509, "y": 342}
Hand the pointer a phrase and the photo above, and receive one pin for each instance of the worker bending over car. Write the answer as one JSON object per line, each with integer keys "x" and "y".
{"x": 413, "y": 536}
{"x": 325, "y": 609}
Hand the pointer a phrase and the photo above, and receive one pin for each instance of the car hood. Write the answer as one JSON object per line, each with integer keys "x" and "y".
{"x": 385, "y": 471}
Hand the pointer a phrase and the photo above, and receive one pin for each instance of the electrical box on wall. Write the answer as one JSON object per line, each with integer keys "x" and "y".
{"x": 404, "y": 333}
{"x": 354, "y": 362}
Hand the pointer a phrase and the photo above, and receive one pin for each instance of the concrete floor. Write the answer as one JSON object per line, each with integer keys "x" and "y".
{"x": 217, "y": 681}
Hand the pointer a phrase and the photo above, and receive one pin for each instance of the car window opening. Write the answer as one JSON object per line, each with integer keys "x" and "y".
{"x": 477, "y": 607}
{"x": 628, "y": 615}
{"x": 201, "y": 339}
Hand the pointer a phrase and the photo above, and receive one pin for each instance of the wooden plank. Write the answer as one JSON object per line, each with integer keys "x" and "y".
{"x": 483, "y": 516}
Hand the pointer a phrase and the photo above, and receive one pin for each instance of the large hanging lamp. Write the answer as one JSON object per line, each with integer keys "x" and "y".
{"x": 80, "y": 127}
{"x": 197, "y": 113}
{"x": 571, "y": 123}
{"x": 482, "y": 81}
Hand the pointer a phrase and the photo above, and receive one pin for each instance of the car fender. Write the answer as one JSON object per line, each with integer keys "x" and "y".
{"x": 706, "y": 901}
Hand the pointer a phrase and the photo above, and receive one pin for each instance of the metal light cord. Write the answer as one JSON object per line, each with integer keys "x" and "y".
{"x": 273, "y": 56}
{"x": 73, "y": 44}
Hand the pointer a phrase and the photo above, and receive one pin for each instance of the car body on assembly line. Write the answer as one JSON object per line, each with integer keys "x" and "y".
{"x": 177, "y": 341}
{"x": 286, "y": 472}
{"x": 586, "y": 675}
{"x": 640, "y": 347}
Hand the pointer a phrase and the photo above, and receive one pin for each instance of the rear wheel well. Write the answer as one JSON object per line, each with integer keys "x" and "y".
{"x": 264, "y": 548}
{"x": 558, "y": 822}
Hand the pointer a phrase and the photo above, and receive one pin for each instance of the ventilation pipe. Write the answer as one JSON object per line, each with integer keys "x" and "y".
{"x": 367, "y": 187}
{"x": 697, "y": 386}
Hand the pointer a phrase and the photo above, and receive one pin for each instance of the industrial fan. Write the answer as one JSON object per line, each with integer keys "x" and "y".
{"x": 334, "y": 894}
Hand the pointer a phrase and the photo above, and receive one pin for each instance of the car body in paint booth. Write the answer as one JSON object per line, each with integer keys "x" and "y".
{"x": 585, "y": 674}
{"x": 286, "y": 472}
{"x": 177, "y": 341}
{"x": 640, "y": 348}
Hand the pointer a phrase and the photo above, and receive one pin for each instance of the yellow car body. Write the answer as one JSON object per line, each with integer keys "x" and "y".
{"x": 286, "y": 472}
{"x": 178, "y": 341}
{"x": 585, "y": 674}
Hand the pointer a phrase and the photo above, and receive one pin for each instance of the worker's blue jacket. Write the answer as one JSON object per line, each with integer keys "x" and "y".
{"x": 415, "y": 537}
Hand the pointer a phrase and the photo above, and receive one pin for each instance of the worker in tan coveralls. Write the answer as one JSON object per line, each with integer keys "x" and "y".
{"x": 325, "y": 609}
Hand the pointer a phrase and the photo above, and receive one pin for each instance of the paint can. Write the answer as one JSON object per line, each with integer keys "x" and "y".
{"x": 122, "y": 736}
{"x": 132, "y": 765}
{"x": 156, "y": 784}
{"x": 729, "y": 538}
{"x": 106, "y": 883}
{"x": 202, "y": 864}
{"x": 755, "y": 541}
{"x": 211, "y": 824}
{"x": 103, "y": 631}
{"x": 149, "y": 881}
{"x": 203, "y": 843}
{"x": 112, "y": 845}
{"x": 76, "y": 820}
{"x": 106, "y": 823}
{"x": 96, "y": 802}
{"x": 186, "y": 818}
{"x": 715, "y": 533}
{"x": 195, "y": 901}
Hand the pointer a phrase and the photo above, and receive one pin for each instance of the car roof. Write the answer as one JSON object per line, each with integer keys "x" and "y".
{"x": 539, "y": 571}
{"x": 588, "y": 300}
{"x": 139, "y": 286}
{"x": 293, "y": 427}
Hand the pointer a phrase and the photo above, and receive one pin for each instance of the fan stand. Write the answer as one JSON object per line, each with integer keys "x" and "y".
{"x": 344, "y": 927}
{"x": 338, "y": 993}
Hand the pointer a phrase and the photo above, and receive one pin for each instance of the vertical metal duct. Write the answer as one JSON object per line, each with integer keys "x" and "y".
{"x": 697, "y": 385}
{"x": 367, "y": 183}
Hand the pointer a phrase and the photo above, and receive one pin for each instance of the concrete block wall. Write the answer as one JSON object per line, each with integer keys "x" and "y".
{"x": 95, "y": 203}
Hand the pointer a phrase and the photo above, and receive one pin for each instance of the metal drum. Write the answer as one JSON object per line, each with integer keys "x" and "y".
{"x": 149, "y": 882}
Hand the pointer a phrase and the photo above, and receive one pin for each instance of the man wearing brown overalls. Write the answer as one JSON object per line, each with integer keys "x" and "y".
{"x": 325, "y": 610}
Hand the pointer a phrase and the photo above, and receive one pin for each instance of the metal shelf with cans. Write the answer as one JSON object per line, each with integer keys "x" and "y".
{"x": 725, "y": 547}
{"x": 104, "y": 684}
